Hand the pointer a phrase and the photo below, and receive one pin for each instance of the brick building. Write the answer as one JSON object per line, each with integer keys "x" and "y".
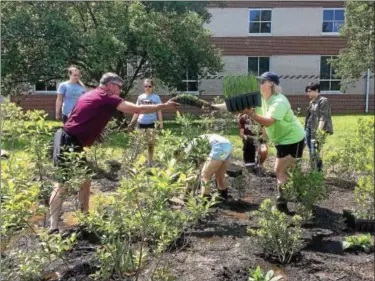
{"x": 292, "y": 38}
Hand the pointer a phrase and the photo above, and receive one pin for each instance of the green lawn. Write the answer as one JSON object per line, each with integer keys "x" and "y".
{"x": 344, "y": 126}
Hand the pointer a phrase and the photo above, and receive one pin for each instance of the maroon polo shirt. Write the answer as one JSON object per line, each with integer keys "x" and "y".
{"x": 91, "y": 114}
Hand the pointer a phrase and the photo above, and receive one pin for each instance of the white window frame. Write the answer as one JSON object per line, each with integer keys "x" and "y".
{"x": 330, "y": 74}
{"x": 269, "y": 63}
{"x": 248, "y": 22}
{"x": 331, "y": 9}
{"x": 46, "y": 92}
{"x": 187, "y": 80}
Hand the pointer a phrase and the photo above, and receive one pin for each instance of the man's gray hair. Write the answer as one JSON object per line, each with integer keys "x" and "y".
{"x": 110, "y": 77}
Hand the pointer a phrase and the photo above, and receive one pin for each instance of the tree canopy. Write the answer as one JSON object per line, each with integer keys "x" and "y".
{"x": 359, "y": 29}
{"x": 131, "y": 38}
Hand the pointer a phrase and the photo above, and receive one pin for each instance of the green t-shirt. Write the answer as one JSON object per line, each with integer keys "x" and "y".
{"x": 287, "y": 129}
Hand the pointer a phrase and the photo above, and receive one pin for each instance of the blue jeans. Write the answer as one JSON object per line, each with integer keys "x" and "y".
{"x": 314, "y": 151}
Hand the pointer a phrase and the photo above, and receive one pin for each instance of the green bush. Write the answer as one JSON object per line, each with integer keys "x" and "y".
{"x": 305, "y": 188}
{"x": 363, "y": 242}
{"x": 274, "y": 235}
{"x": 365, "y": 198}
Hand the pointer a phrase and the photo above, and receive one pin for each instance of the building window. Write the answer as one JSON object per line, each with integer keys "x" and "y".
{"x": 258, "y": 65}
{"x": 333, "y": 20}
{"x": 189, "y": 84}
{"x": 260, "y": 21}
{"x": 45, "y": 86}
{"x": 328, "y": 80}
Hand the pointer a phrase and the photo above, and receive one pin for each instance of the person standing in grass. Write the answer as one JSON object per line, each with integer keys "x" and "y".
{"x": 68, "y": 94}
{"x": 318, "y": 119}
{"x": 253, "y": 142}
{"x": 86, "y": 122}
{"x": 148, "y": 121}
{"x": 282, "y": 128}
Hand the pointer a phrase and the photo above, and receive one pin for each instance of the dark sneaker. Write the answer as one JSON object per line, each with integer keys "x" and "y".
{"x": 224, "y": 194}
{"x": 53, "y": 231}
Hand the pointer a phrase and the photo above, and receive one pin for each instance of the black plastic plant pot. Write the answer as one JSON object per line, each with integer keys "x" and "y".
{"x": 363, "y": 225}
{"x": 241, "y": 102}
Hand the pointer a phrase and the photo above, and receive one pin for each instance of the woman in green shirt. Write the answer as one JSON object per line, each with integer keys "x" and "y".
{"x": 282, "y": 128}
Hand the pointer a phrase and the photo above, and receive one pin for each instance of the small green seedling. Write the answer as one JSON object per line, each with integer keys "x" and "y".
{"x": 258, "y": 275}
{"x": 363, "y": 242}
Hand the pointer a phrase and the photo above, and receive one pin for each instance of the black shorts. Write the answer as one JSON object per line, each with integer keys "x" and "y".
{"x": 146, "y": 126}
{"x": 295, "y": 149}
{"x": 63, "y": 143}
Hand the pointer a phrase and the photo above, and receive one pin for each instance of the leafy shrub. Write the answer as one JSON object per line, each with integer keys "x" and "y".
{"x": 305, "y": 188}
{"x": 362, "y": 242}
{"x": 276, "y": 237}
{"x": 365, "y": 198}
{"x": 357, "y": 156}
{"x": 29, "y": 265}
{"x": 258, "y": 275}
{"x": 140, "y": 210}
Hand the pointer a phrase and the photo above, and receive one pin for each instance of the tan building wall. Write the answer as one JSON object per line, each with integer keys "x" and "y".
{"x": 232, "y": 22}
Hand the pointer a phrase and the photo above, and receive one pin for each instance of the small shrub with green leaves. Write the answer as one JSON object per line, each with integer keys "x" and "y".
{"x": 357, "y": 157}
{"x": 275, "y": 235}
{"x": 21, "y": 264}
{"x": 359, "y": 242}
{"x": 365, "y": 198}
{"x": 258, "y": 275}
{"x": 305, "y": 188}
{"x": 140, "y": 210}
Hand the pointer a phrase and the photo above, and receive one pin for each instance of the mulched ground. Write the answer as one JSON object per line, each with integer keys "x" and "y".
{"x": 219, "y": 249}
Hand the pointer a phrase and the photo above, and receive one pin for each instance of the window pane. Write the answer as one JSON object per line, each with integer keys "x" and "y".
{"x": 327, "y": 27}
{"x": 337, "y": 26}
{"x": 51, "y": 86}
{"x": 266, "y": 16}
{"x": 264, "y": 65}
{"x": 265, "y": 27}
{"x": 40, "y": 86}
{"x": 253, "y": 66}
{"x": 328, "y": 15}
{"x": 335, "y": 86}
{"x": 324, "y": 85}
{"x": 340, "y": 15}
{"x": 324, "y": 68}
{"x": 182, "y": 87}
{"x": 192, "y": 86}
{"x": 254, "y": 27}
{"x": 255, "y": 15}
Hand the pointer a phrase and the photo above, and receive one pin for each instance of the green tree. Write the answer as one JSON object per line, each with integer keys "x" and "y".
{"x": 134, "y": 39}
{"x": 359, "y": 29}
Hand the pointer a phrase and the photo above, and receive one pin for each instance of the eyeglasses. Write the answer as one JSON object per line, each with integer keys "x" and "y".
{"x": 148, "y": 86}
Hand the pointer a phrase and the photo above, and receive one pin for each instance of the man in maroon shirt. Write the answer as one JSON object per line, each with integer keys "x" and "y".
{"x": 91, "y": 114}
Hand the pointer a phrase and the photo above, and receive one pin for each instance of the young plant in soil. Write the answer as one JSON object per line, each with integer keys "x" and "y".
{"x": 29, "y": 264}
{"x": 258, "y": 275}
{"x": 239, "y": 85}
{"x": 305, "y": 188}
{"x": 360, "y": 242}
{"x": 139, "y": 218}
{"x": 275, "y": 235}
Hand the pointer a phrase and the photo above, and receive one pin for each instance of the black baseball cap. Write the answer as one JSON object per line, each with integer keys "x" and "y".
{"x": 270, "y": 76}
